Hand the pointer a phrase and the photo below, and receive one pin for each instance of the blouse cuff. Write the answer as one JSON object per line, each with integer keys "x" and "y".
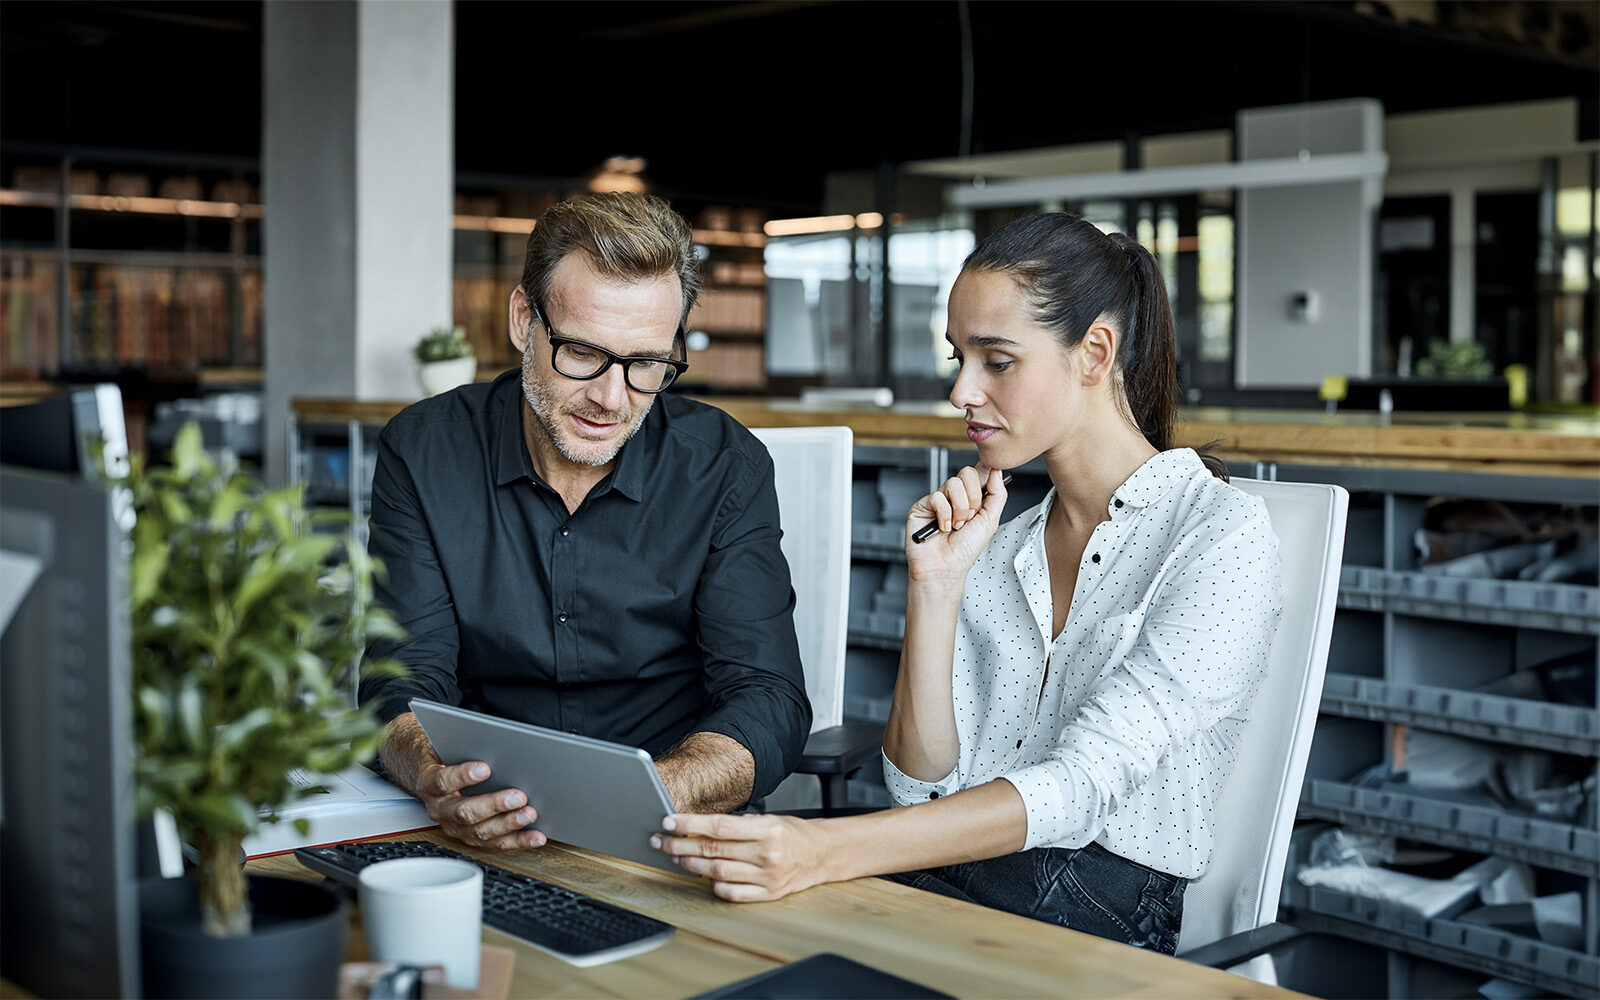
{"x": 1044, "y": 803}
{"x": 905, "y": 790}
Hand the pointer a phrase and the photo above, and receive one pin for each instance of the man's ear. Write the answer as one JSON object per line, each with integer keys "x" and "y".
{"x": 1097, "y": 353}
{"x": 519, "y": 318}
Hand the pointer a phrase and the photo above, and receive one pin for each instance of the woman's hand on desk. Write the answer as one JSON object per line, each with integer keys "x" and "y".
{"x": 494, "y": 820}
{"x": 747, "y": 858}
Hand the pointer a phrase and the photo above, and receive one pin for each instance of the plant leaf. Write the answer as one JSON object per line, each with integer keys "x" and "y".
{"x": 188, "y": 452}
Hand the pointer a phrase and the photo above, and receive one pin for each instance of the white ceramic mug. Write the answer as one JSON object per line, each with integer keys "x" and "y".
{"x": 425, "y": 911}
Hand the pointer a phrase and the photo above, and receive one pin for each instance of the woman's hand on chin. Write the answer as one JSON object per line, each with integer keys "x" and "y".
{"x": 747, "y": 858}
{"x": 966, "y": 510}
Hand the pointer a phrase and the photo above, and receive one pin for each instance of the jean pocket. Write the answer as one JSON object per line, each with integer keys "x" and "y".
{"x": 1160, "y": 915}
{"x": 1109, "y": 892}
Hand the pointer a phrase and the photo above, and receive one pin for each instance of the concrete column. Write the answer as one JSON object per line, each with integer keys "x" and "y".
{"x": 358, "y": 183}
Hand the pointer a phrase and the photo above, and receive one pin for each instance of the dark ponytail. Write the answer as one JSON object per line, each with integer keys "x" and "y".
{"x": 1074, "y": 274}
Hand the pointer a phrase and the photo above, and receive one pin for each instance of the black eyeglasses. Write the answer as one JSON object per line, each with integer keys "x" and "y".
{"x": 579, "y": 360}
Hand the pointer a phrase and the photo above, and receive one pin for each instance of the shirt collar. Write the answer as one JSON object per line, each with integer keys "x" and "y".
{"x": 1159, "y": 473}
{"x": 627, "y": 476}
{"x": 511, "y": 459}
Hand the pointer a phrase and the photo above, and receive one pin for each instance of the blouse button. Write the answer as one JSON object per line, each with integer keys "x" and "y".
{"x": 933, "y": 795}
{"x": 1118, "y": 504}
{"x": 1095, "y": 557}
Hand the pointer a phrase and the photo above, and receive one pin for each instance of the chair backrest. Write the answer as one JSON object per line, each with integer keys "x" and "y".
{"x": 1255, "y": 811}
{"x": 813, "y": 479}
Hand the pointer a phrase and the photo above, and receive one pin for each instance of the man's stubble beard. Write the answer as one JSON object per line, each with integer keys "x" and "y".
{"x": 546, "y": 412}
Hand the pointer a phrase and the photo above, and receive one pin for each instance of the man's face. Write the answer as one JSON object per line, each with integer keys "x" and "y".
{"x": 588, "y": 421}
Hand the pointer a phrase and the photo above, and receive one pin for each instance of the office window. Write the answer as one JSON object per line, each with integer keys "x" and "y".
{"x": 811, "y": 306}
{"x": 923, "y": 265}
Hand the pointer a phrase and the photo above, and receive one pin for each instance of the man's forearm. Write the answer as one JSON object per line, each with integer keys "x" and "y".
{"x": 406, "y": 750}
{"x": 708, "y": 772}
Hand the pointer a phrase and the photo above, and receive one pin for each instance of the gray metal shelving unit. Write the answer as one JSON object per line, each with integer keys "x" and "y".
{"x": 1409, "y": 649}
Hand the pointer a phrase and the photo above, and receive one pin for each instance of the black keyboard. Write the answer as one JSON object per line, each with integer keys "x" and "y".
{"x": 567, "y": 924}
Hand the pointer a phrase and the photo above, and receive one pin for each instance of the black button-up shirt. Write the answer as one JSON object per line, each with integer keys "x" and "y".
{"x": 661, "y": 607}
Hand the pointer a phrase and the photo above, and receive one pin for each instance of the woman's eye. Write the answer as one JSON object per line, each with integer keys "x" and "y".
{"x": 1000, "y": 365}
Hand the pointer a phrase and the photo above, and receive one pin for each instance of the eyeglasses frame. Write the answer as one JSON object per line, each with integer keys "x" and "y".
{"x": 557, "y": 342}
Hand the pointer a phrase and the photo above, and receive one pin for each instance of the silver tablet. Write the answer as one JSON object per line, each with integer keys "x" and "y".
{"x": 598, "y": 795}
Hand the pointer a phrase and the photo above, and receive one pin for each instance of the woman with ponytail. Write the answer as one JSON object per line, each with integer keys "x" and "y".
{"x": 1073, "y": 682}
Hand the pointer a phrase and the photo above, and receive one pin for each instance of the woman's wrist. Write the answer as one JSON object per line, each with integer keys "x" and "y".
{"x": 936, "y": 592}
{"x": 837, "y": 849}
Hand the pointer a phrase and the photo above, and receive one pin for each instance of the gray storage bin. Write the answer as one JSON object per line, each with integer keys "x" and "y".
{"x": 1484, "y": 829}
{"x": 872, "y": 540}
{"x": 1486, "y": 949}
{"x": 1557, "y": 607}
{"x": 898, "y": 489}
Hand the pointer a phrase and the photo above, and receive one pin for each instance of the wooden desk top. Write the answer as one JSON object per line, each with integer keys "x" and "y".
{"x": 1513, "y": 443}
{"x": 956, "y": 947}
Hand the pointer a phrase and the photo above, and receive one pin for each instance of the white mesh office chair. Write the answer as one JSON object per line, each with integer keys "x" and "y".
{"x": 1255, "y": 812}
{"x": 813, "y": 471}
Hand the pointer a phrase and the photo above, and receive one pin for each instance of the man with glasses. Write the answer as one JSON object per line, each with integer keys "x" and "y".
{"x": 567, "y": 546}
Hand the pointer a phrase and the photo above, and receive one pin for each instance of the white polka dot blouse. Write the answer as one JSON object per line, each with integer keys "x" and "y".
{"x": 1122, "y": 729}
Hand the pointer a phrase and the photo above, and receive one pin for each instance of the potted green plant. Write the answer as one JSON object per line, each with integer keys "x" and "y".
{"x": 1463, "y": 361}
{"x": 444, "y": 359}
{"x": 249, "y": 625}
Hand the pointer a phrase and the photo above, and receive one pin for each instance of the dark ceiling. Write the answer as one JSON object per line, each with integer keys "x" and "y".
{"x": 755, "y": 102}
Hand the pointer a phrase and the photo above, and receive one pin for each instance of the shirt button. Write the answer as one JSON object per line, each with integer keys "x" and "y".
{"x": 564, "y": 532}
{"x": 561, "y": 618}
{"x": 1093, "y": 558}
{"x": 1019, "y": 744}
{"x": 933, "y": 795}
{"x": 1118, "y": 505}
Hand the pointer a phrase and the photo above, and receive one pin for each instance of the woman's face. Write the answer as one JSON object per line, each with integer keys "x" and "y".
{"x": 1017, "y": 384}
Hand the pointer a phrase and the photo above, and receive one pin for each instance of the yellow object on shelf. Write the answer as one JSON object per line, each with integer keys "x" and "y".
{"x": 1334, "y": 387}
{"x": 1517, "y": 385}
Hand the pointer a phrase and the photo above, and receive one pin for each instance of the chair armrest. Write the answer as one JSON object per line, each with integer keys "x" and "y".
{"x": 841, "y": 749}
{"x": 1227, "y": 952}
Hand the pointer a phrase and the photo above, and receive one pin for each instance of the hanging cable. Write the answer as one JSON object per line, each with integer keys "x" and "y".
{"x": 965, "y": 147}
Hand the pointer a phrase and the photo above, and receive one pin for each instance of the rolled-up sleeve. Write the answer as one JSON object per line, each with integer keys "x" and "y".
{"x": 1198, "y": 659}
{"x": 413, "y": 587}
{"x": 744, "y": 606}
{"x": 905, "y": 790}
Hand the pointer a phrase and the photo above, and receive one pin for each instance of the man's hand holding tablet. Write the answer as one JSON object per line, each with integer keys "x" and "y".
{"x": 496, "y": 819}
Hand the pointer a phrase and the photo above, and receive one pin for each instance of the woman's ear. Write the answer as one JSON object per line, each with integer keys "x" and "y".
{"x": 519, "y": 317}
{"x": 1097, "y": 353}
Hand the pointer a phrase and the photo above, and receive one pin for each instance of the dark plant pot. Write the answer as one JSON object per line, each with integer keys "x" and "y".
{"x": 294, "y": 950}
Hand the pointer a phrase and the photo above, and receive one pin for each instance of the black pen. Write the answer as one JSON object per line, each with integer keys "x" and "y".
{"x": 926, "y": 532}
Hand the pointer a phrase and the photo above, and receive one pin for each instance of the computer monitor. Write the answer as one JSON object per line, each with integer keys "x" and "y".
{"x": 69, "y": 918}
{"x": 57, "y": 434}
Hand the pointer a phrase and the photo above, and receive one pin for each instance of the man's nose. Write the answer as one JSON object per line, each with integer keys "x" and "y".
{"x": 610, "y": 390}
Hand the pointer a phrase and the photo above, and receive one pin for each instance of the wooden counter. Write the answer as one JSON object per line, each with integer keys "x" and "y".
{"x": 1513, "y": 443}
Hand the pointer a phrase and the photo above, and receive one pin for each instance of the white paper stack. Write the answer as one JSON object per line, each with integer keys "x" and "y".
{"x": 356, "y": 804}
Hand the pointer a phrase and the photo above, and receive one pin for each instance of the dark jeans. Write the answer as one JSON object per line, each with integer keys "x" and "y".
{"x": 1089, "y": 890}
